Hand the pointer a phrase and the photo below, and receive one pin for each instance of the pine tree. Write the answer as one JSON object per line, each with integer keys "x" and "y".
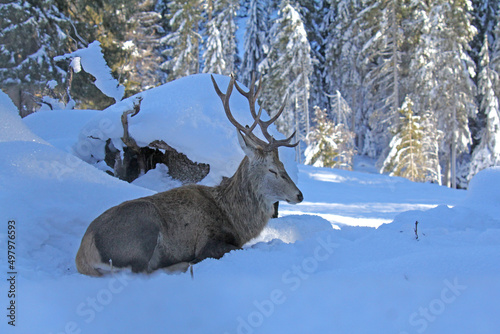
{"x": 143, "y": 41}
{"x": 406, "y": 157}
{"x": 341, "y": 112}
{"x": 256, "y": 39}
{"x": 313, "y": 14}
{"x": 487, "y": 153}
{"x": 329, "y": 145}
{"x": 31, "y": 35}
{"x": 182, "y": 43}
{"x": 214, "y": 52}
{"x": 110, "y": 22}
{"x": 456, "y": 91}
{"x": 430, "y": 146}
{"x": 322, "y": 149}
{"x": 441, "y": 74}
{"x": 220, "y": 49}
{"x": 381, "y": 58}
{"x": 495, "y": 53}
{"x": 343, "y": 41}
{"x": 484, "y": 19}
{"x": 289, "y": 67}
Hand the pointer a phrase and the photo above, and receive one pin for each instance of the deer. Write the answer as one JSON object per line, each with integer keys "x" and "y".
{"x": 178, "y": 228}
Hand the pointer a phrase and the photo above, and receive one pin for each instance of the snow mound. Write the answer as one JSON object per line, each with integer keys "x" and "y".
{"x": 188, "y": 115}
{"x": 478, "y": 213}
{"x": 51, "y": 195}
{"x": 11, "y": 126}
{"x": 291, "y": 228}
{"x": 59, "y": 127}
{"x": 484, "y": 192}
{"x": 157, "y": 179}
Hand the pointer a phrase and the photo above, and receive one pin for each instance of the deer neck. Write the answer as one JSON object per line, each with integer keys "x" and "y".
{"x": 246, "y": 207}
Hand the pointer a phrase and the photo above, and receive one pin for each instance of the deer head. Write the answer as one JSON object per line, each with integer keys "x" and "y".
{"x": 265, "y": 168}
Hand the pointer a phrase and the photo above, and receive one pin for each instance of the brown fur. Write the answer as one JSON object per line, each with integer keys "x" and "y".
{"x": 186, "y": 224}
{"x": 191, "y": 223}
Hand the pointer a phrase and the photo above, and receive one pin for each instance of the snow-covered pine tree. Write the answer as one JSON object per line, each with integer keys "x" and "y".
{"x": 430, "y": 147}
{"x": 487, "y": 153}
{"x": 343, "y": 40}
{"x": 341, "y": 112}
{"x": 381, "y": 58}
{"x": 406, "y": 157}
{"x": 329, "y": 145}
{"x": 213, "y": 55}
{"x": 288, "y": 72}
{"x": 110, "y": 22}
{"x": 345, "y": 147}
{"x": 484, "y": 19}
{"x": 182, "y": 43}
{"x": 143, "y": 41}
{"x": 256, "y": 44}
{"x": 314, "y": 14}
{"x": 321, "y": 148}
{"x": 495, "y": 53}
{"x": 31, "y": 34}
{"x": 456, "y": 90}
{"x": 220, "y": 48}
{"x": 441, "y": 76}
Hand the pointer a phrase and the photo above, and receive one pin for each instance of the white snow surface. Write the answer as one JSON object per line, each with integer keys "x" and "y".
{"x": 346, "y": 260}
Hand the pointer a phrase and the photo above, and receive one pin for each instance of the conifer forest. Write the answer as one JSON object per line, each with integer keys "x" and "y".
{"x": 411, "y": 84}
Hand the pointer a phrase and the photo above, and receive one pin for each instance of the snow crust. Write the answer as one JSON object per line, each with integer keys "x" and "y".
{"x": 319, "y": 268}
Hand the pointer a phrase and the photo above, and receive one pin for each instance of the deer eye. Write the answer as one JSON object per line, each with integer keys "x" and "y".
{"x": 274, "y": 172}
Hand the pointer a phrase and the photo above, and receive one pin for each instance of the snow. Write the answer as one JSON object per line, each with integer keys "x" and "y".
{"x": 188, "y": 115}
{"x": 92, "y": 60}
{"x": 11, "y": 126}
{"x": 319, "y": 268}
{"x": 59, "y": 127}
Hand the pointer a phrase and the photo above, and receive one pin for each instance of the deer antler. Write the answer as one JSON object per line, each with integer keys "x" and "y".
{"x": 251, "y": 96}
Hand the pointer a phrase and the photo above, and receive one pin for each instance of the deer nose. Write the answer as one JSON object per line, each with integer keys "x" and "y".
{"x": 300, "y": 197}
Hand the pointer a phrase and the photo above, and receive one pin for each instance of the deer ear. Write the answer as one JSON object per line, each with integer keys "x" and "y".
{"x": 248, "y": 145}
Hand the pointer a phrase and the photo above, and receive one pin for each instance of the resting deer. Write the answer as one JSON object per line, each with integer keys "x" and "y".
{"x": 185, "y": 225}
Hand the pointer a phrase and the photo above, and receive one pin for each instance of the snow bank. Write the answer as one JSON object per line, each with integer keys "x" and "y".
{"x": 12, "y": 127}
{"x": 52, "y": 196}
{"x": 484, "y": 192}
{"x": 478, "y": 212}
{"x": 188, "y": 115}
{"x": 157, "y": 179}
{"x": 59, "y": 127}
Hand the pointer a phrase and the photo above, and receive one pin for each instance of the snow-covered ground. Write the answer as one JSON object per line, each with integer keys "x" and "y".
{"x": 346, "y": 260}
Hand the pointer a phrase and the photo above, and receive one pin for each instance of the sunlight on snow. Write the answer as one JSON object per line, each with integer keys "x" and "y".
{"x": 354, "y": 214}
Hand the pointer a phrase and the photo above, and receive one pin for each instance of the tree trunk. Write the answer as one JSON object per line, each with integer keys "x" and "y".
{"x": 453, "y": 163}
{"x": 454, "y": 150}
{"x": 395, "y": 59}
